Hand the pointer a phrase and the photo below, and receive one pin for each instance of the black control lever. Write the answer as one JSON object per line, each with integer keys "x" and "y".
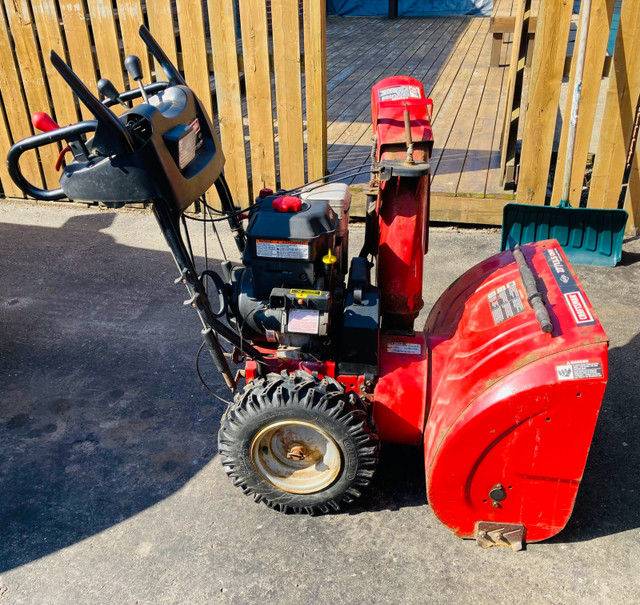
{"x": 173, "y": 75}
{"x": 134, "y": 67}
{"x": 109, "y": 91}
{"x": 106, "y": 118}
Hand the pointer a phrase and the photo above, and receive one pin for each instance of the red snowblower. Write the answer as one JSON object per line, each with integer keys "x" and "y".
{"x": 500, "y": 389}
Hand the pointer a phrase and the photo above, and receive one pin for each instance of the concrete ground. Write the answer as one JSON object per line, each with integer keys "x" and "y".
{"x": 110, "y": 487}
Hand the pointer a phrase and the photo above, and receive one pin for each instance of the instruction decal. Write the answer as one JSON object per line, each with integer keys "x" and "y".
{"x": 505, "y": 302}
{"x": 282, "y": 249}
{"x": 573, "y": 297}
{"x": 579, "y": 370}
{"x": 398, "y": 93}
{"x": 404, "y": 348}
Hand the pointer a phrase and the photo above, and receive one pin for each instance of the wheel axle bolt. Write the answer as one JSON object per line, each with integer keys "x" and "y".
{"x": 296, "y": 452}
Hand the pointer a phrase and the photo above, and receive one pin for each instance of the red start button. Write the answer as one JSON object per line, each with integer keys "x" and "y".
{"x": 287, "y": 203}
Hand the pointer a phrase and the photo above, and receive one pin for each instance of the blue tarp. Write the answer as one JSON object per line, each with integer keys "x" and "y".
{"x": 410, "y": 8}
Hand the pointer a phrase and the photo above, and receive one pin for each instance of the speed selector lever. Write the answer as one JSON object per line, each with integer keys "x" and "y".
{"x": 109, "y": 91}
{"x": 134, "y": 67}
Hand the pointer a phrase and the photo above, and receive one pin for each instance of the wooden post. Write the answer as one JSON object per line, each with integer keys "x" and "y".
{"x": 315, "y": 42}
{"x": 619, "y": 111}
{"x": 228, "y": 97}
{"x": 286, "y": 63}
{"x": 552, "y": 34}
{"x": 514, "y": 93}
{"x": 255, "y": 47}
{"x": 595, "y": 52}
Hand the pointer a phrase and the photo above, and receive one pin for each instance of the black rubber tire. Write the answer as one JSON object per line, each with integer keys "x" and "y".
{"x": 304, "y": 398}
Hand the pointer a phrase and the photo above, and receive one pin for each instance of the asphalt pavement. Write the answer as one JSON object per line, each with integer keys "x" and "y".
{"x": 111, "y": 490}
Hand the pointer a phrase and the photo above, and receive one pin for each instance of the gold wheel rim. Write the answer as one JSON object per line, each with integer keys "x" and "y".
{"x": 296, "y": 456}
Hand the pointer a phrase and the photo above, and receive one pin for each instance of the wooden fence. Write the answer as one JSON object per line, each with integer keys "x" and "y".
{"x": 234, "y": 55}
{"x": 542, "y": 109}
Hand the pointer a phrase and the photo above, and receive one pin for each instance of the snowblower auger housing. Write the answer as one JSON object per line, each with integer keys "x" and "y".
{"x": 502, "y": 387}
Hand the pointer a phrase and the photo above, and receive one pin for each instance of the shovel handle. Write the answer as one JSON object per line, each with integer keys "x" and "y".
{"x": 534, "y": 297}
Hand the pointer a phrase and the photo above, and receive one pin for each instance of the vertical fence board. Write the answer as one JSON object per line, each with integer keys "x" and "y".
{"x": 160, "y": 18}
{"x": 130, "y": 18}
{"x": 50, "y": 37}
{"x": 632, "y": 199}
{"x": 595, "y": 51}
{"x": 194, "y": 50}
{"x": 315, "y": 42}
{"x": 79, "y": 45}
{"x": 27, "y": 55}
{"x": 619, "y": 111}
{"x": 228, "y": 97}
{"x": 105, "y": 35}
{"x": 552, "y": 34}
{"x": 286, "y": 60}
{"x": 17, "y": 124}
{"x": 255, "y": 46}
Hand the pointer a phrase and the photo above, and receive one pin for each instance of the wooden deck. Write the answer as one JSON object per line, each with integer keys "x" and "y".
{"x": 450, "y": 56}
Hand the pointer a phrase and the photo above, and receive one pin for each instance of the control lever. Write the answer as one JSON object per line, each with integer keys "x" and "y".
{"x": 43, "y": 121}
{"x": 134, "y": 67}
{"x": 108, "y": 90}
{"x": 120, "y": 136}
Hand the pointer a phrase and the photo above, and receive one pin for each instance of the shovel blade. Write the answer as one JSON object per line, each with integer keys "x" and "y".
{"x": 588, "y": 236}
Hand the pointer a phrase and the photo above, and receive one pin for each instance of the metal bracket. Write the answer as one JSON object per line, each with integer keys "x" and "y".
{"x": 489, "y": 533}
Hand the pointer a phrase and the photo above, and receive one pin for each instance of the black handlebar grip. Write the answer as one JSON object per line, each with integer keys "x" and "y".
{"x": 40, "y": 140}
{"x": 134, "y": 67}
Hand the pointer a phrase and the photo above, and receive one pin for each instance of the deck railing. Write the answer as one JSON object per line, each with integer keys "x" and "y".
{"x": 234, "y": 55}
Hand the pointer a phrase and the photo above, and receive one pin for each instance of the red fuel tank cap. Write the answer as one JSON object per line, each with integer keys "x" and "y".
{"x": 287, "y": 203}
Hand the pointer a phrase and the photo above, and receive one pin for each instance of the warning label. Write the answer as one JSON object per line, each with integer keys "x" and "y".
{"x": 304, "y": 293}
{"x": 396, "y": 93}
{"x": 282, "y": 249}
{"x": 303, "y": 321}
{"x": 577, "y": 370}
{"x": 505, "y": 302}
{"x": 406, "y": 348}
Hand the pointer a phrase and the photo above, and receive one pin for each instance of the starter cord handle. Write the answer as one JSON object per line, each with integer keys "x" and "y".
{"x": 534, "y": 298}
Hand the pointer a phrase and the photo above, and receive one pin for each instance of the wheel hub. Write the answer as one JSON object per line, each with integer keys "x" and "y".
{"x": 296, "y": 456}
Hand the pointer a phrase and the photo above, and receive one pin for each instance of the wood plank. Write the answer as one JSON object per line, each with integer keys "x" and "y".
{"x": 473, "y": 177}
{"x": 105, "y": 36}
{"x": 31, "y": 73}
{"x": 79, "y": 45}
{"x": 50, "y": 38}
{"x": 17, "y": 125}
{"x": 619, "y": 111}
{"x": 511, "y": 117}
{"x": 542, "y": 104}
{"x": 160, "y": 15}
{"x": 595, "y": 51}
{"x": 286, "y": 60}
{"x": 314, "y": 12}
{"x": 253, "y": 22}
{"x": 445, "y": 115}
{"x": 228, "y": 97}
{"x": 448, "y": 170}
{"x": 130, "y": 17}
{"x": 632, "y": 198}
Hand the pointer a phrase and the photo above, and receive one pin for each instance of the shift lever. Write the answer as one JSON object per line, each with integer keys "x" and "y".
{"x": 134, "y": 67}
{"x": 108, "y": 90}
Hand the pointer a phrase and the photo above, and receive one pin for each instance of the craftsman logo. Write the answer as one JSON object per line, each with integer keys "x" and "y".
{"x": 573, "y": 296}
{"x": 579, "y": 370}
{"x": 578, "y": 307}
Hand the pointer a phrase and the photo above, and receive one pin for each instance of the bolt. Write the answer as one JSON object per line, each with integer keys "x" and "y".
{"x": 296, "y": 452}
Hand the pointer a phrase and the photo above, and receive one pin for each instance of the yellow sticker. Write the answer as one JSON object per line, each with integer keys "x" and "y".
{"x": 305, "y": 293}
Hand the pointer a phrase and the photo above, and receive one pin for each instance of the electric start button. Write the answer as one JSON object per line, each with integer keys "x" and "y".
{"x": 287, "y": 203}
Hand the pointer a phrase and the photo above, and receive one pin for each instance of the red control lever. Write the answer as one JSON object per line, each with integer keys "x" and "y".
{"x": 43, "y": 121}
